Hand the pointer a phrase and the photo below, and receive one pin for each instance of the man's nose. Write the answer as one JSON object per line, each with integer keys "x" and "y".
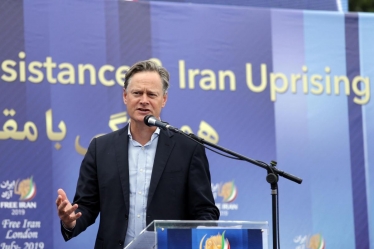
{"x": 144, "y": 99}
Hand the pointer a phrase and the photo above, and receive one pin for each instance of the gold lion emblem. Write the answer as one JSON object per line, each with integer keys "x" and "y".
{"x": 315, "y": 242}
{"x": 214, "y": 242}
{"x": 226, "y": 190}
{"x": 23, "y": 188}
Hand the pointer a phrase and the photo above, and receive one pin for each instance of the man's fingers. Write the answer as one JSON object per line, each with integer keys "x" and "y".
{"x": 68, "y": 215}
{"x": 70, "y": 221}
{"x": 71, "y": 210}
{"x": 62, "y": 193}
{"x": 77, "y": 215}
{"x": 62, "y": 199}
{"x": 66, "y": 208}
{"x": 65, "y": 211}
{"x": 64, "y": 205}
{"x": 71, "y": 218}
{"x": 59, "y": 200}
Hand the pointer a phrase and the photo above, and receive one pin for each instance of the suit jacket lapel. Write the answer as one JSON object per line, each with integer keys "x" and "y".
{"x": 164, "y": 147}
{"x": 121, "y": 148}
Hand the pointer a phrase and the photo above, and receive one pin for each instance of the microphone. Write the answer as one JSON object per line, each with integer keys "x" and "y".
{"x": 151, "y": 120}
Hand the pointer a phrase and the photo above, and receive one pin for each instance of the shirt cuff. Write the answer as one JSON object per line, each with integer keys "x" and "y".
{"x": 70, "y": 230}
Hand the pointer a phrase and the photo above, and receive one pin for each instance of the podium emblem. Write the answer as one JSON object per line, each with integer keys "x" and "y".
{"x": 215, "y": 242}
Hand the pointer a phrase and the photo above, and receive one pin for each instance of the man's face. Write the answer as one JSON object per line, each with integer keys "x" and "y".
{"x": 144, "y": 96}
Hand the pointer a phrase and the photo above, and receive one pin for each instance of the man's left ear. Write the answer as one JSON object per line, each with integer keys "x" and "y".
{"x": 165, "y": 99}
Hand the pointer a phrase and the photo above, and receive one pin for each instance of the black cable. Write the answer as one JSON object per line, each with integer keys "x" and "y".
{"x": 207, "y": 147}
{"x": 267, "y": 166}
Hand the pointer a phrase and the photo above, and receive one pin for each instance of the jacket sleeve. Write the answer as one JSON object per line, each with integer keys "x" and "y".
{"x": 201, "y": 201}
{"x": 86, "y": 195}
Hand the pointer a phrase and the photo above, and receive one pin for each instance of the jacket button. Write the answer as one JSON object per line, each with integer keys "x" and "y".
{"x": 120, "y": 242}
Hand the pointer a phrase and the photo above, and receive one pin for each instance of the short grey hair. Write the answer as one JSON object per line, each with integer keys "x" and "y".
{"x": 148, "y": 66}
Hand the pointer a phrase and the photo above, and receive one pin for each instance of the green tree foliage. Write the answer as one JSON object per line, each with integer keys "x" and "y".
{"x": 361, "y": 5}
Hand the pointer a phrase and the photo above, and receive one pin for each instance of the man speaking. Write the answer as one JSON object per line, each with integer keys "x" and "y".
{"x": 139, "y": 173}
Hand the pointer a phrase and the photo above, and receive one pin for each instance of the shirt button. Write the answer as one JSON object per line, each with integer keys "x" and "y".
{"x": 141, "y": 170}
{"x": 138, "y": 215}
{"x": 140, "y": 192}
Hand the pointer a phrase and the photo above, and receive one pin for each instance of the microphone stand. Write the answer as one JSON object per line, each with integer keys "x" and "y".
{"x": 272, "y": 178}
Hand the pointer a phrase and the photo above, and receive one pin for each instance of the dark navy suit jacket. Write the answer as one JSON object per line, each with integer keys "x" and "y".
{"x": 180, "y": 187}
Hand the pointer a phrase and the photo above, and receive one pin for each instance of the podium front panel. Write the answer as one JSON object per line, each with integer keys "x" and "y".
{"x": 211, "y": 235}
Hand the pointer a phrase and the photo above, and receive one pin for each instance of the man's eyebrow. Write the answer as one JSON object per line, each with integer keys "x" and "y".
{"x": 153, "y": 90}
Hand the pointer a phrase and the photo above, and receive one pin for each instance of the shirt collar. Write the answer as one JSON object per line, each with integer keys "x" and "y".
{"x": 154, "y": 135}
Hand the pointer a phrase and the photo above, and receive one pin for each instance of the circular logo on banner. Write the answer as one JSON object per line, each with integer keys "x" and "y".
{"x": 228, "y": 192}
{"x": 26, "y": 189}
{"x": 316, "y": 242}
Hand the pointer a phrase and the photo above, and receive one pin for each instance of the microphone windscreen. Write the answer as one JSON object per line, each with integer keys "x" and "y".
{"x": 146, "y": 118}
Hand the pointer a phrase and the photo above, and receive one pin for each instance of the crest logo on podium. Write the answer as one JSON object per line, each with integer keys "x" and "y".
{"x": 215, "y": 242}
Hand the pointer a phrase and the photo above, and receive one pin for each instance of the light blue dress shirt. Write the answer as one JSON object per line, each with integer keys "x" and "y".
{"x": 141, "y": 160}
